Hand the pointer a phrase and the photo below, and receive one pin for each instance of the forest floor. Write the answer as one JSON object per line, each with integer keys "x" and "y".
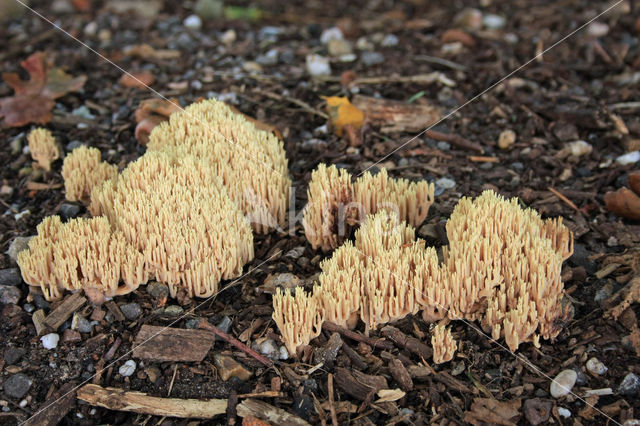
{"x": 420, "y": 53}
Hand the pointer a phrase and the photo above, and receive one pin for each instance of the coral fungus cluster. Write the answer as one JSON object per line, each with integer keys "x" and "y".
{"x": 180, "y": 214}
{"x": 502, "y": 268}
{"x": 335, "y": 203}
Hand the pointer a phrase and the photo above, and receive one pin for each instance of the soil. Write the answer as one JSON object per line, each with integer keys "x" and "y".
{"x": 572, "y": 92}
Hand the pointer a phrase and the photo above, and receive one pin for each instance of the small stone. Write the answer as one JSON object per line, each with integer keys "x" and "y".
{"x": 563, "y": 383}
{"x": 192, "y": 22}
{"x": 506, "y": 139}
{"x": 270, "y": 33}
{"x": 91, "y": 29}
{"x": 40, "y": 302}
{"x": 596, "y": 367}
{"x": 537, "y": 410}
{"x": 71, "y": 336}
{"x": 629, "y": 158}
{"x": 284, "y": 354}
{"x": 17, "y": 385}
{"x": 563, "y": 412}
{"x": 209, "y": 9}
{"x": 630, "y": 385}
{"x": 443, "y": 146}
{"x": 493, "y": 22}
{"x": 13, "y": 355}
{"x": 578, "y": 148}
{"x": 69, "y": 211}
{"x": 445, "y": 183}
{"x": 468, "y": 19}
{"x": 173, "y": 310}
{"x": 17, "y": 245}
{"x": 50, "y": 341}
{"x": 9, "y": 294}
{"x": 363, "y": 43}
{"x": 224, "y": 325}
{"x": 372, "y": 58}
{"x": 333, "y": 33}
{"x": 229, "y": 367}
{"x": 285, "y": 280}
{"x": 157, "y": 290}
{"x": 339, "y": 47}
{"x": 603, "y": 293}
{"x": 389, "y": 40}
{"x": 128, "y": 368}
{"x": 597, "y": 29}
{"x": 318, "y": 65}
{"x": 131, "y": 311}
{"x": 269, "y": 58}
{"x": 228, "y": 37}
{"x": 81, "y": 324}
{"x": 153, "y": 373}
{"x": 73, "y": 145}
{"x": 83, "y": 112}
{"x": 268, "y": 348}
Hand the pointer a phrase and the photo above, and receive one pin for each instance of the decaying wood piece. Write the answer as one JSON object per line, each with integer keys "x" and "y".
{"x": 115, "y": 310}
{"x": 407, "y": 342}
{"x": 373, "y": 342}
{"x": 623, "y": 202}
{"x": 172, "y": 344}
{"x": 358, "y": 384}
{"x": 62, "y": 313}
{"x": 400, "y": 374}
{"x": 38, "y": 318}
{"x": 55, "y": 407}
{"x": 139, "y": 402}
{"x": 396, "y": 116}
{"x": 205, "y": 325}
{"x": 269, "y": 413}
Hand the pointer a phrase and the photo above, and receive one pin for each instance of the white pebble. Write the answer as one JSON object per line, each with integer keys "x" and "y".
{"x": 629, "y": 158}
{"x": 563, "y": 383}
{"x": 193, "y": 22}
{"x": 127, "y": 368}
{"x": 506, "y": 139}
{"x": 493, "y": 22}
{"x": 563, "y": 412}
{"x": 596, "y": 367}
{"x": 445, "y": 183}
{"x": 318, "y": 65}
{"x": 284, "y": 354}
{"x": 389, "y": 40}
{"x": 333, "y": 33}
{"x": 228, "y": 37}
{"x": 579, "y": 148}
{"x": 50, "y": 341}
{"x": 598, "y": 29}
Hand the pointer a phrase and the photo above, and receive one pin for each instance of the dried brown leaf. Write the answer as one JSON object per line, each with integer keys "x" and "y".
{"x": 487, "y": 410}
{"x": 623, "y": 202}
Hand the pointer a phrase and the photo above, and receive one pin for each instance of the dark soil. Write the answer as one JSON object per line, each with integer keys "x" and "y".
{"x": 569, "y": 94}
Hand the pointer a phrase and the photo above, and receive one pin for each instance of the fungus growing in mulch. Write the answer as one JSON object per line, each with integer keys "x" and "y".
{"x": 81, "y": 254}
{"x": 335, "y": 204}
{"x": 82, "y": 171}
{"x": 251, "y": 163}
{"x": 43, "y": 147}
{"x": 502, "y": 268}
{"x": 443, "y": 343}
{"x": 299, "y": 317}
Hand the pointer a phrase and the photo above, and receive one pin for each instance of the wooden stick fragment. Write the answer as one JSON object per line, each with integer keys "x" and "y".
{"x": 205, "y": 325}
{"x": 454, "y": 139}
{"x": 563, "y": 198}
{"x": 55, "y": 407}
{"x": 269, "y": 413}
{"x": 332, "y": 407}
{"x": 375, "y": 343}
{"x": 139, "y": 402}
{"x": 64, "y": 311}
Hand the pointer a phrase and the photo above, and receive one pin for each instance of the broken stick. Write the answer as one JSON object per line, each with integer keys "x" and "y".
{"x": 139, "y": 402}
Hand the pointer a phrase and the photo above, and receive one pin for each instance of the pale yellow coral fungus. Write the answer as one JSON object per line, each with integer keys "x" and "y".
{"x": 82, "y": 170}
{"x": 502, "y": 268}
{"x": 335, "y": 203}
{"x": 43, "y": 147}
{"x": 251, "y": 163}
{"x": 299, "y": 317}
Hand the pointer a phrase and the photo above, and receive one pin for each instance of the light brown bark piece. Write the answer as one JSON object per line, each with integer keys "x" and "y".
{"x": 62, "y": 313}
{"x": 396, "y": 116}
{"x": 172, "y": 344}
{"x": 269, "y": 413}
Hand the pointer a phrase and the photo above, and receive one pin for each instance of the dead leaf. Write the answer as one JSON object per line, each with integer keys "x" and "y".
{"x": 623, "y": 202}
{"x": 634, "y": 182}
{"x": 33, "y": 99}
{"x": 139, "y": 80}
{"x": 453, "y": 35}
{"x": 396, "y": 116}
{"x": 589, "y": 412}
{"x": 342, "y": 112}
{"x": 152, "y": 112}
{"x": 487, "y": 410}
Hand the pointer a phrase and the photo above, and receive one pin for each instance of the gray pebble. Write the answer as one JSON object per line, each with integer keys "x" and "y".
{"x": 443, "y": 146}
{"x": 269, "y": 58}
{"x": 17, "y": 245}
{"x": 9, "y": 294}
{"x": 630, "y": 385}
{"x": 131, "y": 311}
{"x": 40, "y": 302}
{"x": 69, "y": 211}
{"x": 445, "y": 183}
{"x": 10, "y": 277}
{"x": 389, "y": 40}
{"x": 73, "y": 145}
{"x": 128, "y": 368}
{"x": 81, "y": 324}
{"x": 17, "y": 385}
{"x": 13, "y": 355}
{"x": 157, "y": 290}
{"x": 28, "y": 308}
{"x": 372, "y": 58}
{"x": 224, "y": 325}
{"x": 173, "y": 310}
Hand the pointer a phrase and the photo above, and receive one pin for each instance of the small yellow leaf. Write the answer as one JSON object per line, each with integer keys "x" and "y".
{"x": 342, "y": 112}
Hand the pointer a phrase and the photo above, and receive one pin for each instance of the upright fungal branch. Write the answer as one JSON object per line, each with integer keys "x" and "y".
{"x": 444, "y": 346}
{"x": 299, "y": 317}
{"x": 82, "y": 171}
{"x": 251, "y": 163}
{"x": 335, "y": 204}
{"x": 502, "y": 268}
{"x": 43, "y": 147}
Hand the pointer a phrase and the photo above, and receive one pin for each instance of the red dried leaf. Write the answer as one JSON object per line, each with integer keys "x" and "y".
{"x": 33, "y": 99}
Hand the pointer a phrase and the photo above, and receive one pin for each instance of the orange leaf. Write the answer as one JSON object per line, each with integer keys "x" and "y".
{"x": 623, "y": 202}
{"x": 342, "y": 112}
{"x": 139, "y": 80}
{"x": 33, "y": 99}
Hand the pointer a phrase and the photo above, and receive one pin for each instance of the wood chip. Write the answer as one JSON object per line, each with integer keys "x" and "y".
{"x": 115, "y": 310}
{"x": 408, "y": 342}
{"x": 358, "y": 384}
{"x": 62, "y": 313}
{"x": 396, "y": 116}
{"x": 172, "y": 344}
{"x": 55, "y": 407}
{"x": 38, "y": 320}
{"x": 269, "y": 413}
{"x": 138, "y": 402}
